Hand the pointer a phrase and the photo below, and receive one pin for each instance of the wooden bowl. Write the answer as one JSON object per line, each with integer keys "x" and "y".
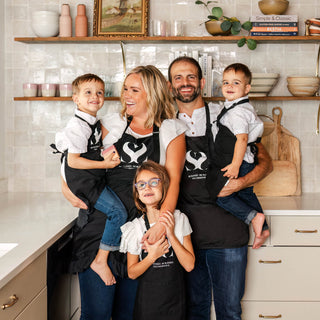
{"x": 273, "y": 6}
{"x": 302, "y": 91}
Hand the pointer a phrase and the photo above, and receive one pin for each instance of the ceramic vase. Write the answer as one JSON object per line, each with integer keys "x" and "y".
{"x": 81, "y": 21}
{"x": 65, "y": 23}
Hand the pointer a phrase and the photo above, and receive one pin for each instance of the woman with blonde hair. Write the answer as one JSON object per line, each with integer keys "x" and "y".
{"x": 145, "y": 129}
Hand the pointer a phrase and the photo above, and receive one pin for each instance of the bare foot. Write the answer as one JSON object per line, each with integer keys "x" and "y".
{"x": 257, "y": 223}
{"x": 100, "y": 266}
{"x": 259, "y": 241}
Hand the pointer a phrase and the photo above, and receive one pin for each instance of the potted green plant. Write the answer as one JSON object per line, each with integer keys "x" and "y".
{"x": 219, "y": 24}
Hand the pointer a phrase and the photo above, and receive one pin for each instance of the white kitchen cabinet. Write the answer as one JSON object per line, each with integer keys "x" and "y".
{"x": 258, "y": 310}
{"x": 283, "y": 278}
{"x": 29, "y": 286}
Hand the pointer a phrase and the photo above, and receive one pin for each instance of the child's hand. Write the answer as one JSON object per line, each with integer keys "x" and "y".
{"x": 167, "y": 219}
{"x": 111, "y": 159}
{"x": 231, "y": 171}
{"x": 157, "y": 249}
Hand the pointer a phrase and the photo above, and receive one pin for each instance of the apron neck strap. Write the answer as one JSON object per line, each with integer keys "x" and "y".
{"x": 225, "y": 110}
{"x": 146, "y": 221}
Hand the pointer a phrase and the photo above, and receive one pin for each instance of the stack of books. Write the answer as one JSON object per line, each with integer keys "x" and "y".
{"x": 274, "y": 25}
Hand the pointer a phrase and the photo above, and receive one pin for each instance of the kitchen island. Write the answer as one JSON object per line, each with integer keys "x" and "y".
{"x": 35, "y": 221}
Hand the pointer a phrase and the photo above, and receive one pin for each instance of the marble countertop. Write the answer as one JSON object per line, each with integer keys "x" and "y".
{"x": 36, "y": 220}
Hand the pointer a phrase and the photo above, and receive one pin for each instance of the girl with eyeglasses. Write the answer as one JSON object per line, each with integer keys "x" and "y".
{"x": 160, "y": 267}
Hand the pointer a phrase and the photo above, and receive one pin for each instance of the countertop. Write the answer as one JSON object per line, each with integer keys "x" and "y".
{"x": 36, "y": 220}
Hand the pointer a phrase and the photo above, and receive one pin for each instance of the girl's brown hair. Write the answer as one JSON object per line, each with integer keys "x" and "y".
{"x": 159, "y": 99}
{"x": 163, "y": 175}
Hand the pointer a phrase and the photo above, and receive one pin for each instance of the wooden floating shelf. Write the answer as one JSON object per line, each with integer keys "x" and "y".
{"x": 128, "y": 40}
{"x": 267, "y": 98}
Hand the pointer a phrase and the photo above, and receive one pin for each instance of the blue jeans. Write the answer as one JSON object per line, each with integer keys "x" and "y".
{"x": 100, "y": 302}
{"x": 243, "y": 204}
{"x": 109, "y": 203}
{"x": 220, "y": 272}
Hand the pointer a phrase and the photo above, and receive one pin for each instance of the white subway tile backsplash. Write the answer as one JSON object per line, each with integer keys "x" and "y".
{"x": 30, "y": 126}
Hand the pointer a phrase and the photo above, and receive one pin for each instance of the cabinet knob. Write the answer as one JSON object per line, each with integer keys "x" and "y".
{"x": 270, "y": 261}
{"x": 305, "y": 231}
{"x": 13, "y": 299}
{"x": 270, "y": 317}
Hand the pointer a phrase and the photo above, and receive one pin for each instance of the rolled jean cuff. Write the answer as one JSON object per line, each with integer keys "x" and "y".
{"x": 250, "y": 216}
{"x": 106, "y": 247}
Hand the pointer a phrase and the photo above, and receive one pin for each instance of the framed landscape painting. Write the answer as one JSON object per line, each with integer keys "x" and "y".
{"x": 120, "y": 18}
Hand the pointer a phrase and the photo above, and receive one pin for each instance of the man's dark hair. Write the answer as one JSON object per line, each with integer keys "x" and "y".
{"x": 185, "y": 59}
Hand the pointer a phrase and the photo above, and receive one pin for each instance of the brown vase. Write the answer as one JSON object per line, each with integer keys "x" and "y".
{"x": 81, "y": 22}
{"x": 65, "y": 23}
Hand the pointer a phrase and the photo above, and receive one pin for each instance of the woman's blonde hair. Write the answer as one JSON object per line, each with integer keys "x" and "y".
{"x": 159, "y": 99}
{"x": 163, "y": 175}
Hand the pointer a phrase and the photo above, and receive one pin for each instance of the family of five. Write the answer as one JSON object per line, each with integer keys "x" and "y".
{"x": 165, "y": 208}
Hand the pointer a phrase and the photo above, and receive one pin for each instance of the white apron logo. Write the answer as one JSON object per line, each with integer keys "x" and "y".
{"x": 97, "y": 135}
{"x": 135, "y": 153}
{"x": 194, "y": 160}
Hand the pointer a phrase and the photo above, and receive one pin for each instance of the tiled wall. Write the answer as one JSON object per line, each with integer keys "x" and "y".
{"x": 30, "y": 126}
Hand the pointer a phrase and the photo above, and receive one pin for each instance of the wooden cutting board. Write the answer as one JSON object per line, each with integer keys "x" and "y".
{"x": 284, "y": 149}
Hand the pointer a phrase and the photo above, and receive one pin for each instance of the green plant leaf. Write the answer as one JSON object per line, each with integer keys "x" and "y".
{"x": 241, "y": 42}
{"x": 236, "y": 27}
{"x": 199, "y": 2}
{"x": 213, "y": 18}
{"x": 247, "y": 26}
{"x": 225, "y": 25}
{"x": 252, "y": 44}
{"x": 217, "y": 12}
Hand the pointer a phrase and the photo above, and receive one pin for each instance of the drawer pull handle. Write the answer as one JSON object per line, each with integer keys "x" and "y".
{"x": 13, "y": 299}
{"x": 305, "y": 231}
{"x": 270, "y": 261}
{"x": 270, "y": 317}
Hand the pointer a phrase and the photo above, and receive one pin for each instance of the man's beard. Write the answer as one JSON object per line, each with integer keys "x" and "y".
{"x": 177, "y": 95}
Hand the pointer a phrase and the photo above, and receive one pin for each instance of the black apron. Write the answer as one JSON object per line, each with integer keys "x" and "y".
{"x": 222, "y": 153}
{"x": 212, "y": 226}
{"x": 87, "y": 184}
{"x": 132, "y": 153}
{"x": 161, "y": 289}
{"x": 89, "y": 227}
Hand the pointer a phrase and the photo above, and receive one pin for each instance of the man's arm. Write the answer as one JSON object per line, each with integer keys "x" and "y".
{"x": 261, "y": 170}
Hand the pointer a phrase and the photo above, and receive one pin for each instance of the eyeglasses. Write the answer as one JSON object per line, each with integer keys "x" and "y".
{"x": 153, "y": 183}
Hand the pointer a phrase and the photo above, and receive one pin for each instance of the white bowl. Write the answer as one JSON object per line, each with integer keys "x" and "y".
{"x": 265, "y": 75}
{"x": 45, "y": 23}
{"x": 263, "y": 82}
{"x": 257, "y": 94}
{"x": 261, "y": 88}
{"x": 302, "y": 91}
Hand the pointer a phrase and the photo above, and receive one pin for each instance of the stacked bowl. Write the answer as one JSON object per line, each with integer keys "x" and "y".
{"x": 262, "y": 84}
{"x": 273, "y": 6}
{"x": 45, "y": 23}
{"x": 303, "y": 86}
